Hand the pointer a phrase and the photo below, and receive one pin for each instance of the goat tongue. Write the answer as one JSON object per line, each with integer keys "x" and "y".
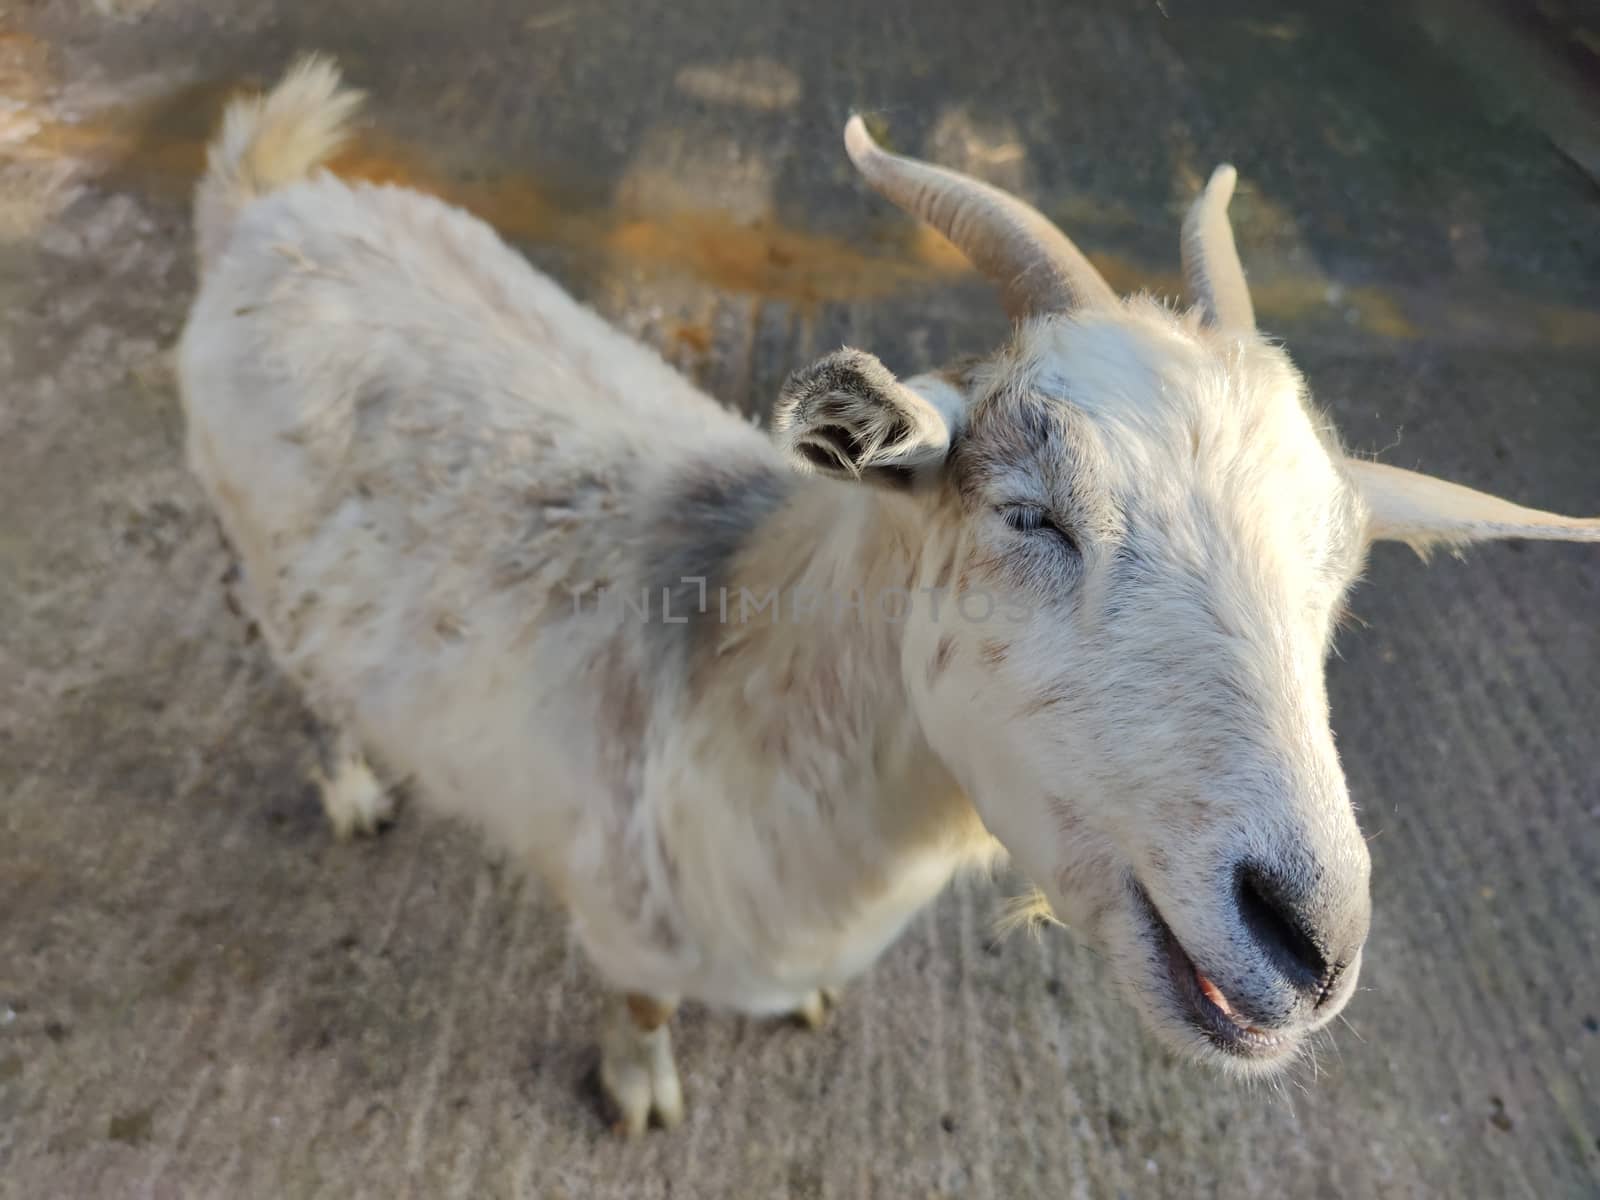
{"x": 1212, "y": 993}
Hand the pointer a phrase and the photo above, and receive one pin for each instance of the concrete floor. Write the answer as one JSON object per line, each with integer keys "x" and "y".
{"x": 200, "y": 995}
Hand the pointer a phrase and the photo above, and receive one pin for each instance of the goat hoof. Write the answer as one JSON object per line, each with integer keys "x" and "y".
{"x": 356, "y": 803}
{"x": 639, "y": 1090}
{"x": 815, "y": 1010}
{"x": 638, "y": 1074}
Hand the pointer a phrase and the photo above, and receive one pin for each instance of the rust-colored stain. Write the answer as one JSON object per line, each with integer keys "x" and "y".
{"x": 693, "y": 337}
{"x": 162, "y": 146}
{"x": 764, "y": 256}
{"x": 24, "y": 69}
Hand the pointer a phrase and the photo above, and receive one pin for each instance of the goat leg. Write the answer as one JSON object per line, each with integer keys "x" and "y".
{"x": 637, "y": 1071}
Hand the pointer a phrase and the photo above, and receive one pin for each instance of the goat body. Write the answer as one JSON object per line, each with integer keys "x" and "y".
{"x": 465, "y": 508}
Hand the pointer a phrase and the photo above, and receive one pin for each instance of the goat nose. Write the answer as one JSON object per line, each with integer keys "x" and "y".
{"x": 1309, "y": 935}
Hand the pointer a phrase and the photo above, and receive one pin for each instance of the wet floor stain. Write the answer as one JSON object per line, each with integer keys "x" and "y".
{"x": 160, "y": 146}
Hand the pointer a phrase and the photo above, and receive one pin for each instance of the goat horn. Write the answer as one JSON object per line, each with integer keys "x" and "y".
{"x": 1036, "y": 266}
{"x": 1211, "y": 260}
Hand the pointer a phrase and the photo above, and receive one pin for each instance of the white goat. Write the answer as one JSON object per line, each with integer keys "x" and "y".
{"x": 746, "y": 707}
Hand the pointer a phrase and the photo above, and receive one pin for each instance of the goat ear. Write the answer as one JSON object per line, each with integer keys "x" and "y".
{"x": 1407, "y": 506}
{"x": 848, "y": 416}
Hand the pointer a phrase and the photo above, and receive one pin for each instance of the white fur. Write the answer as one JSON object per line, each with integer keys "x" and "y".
{"x": 422, "y": 450}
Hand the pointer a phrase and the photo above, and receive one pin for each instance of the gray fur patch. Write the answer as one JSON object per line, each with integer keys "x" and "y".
{"x": 707, "y": 518}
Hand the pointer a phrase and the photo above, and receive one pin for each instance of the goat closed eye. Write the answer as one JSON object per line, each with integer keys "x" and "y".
{"x": 1034, "y": 519}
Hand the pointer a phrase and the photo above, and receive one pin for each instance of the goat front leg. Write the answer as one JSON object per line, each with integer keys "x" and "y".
{"x": 636, "y": 1067}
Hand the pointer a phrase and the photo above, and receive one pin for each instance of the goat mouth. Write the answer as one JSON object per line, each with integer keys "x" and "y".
{"x": 1202, "y": 1003}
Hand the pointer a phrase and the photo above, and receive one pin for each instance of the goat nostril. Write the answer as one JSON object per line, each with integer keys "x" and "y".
{"x": 1278, "y": 927}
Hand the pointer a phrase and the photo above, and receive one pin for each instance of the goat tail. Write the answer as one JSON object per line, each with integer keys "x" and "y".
{"x": 268, "y": 142}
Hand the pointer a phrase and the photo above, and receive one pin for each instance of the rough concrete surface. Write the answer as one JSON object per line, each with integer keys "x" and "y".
{"x": 201, "y": 995}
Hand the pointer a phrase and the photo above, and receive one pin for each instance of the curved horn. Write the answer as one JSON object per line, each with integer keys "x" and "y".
{"x": 1210, "y": 259}
{"x": 1036, "y": 267}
